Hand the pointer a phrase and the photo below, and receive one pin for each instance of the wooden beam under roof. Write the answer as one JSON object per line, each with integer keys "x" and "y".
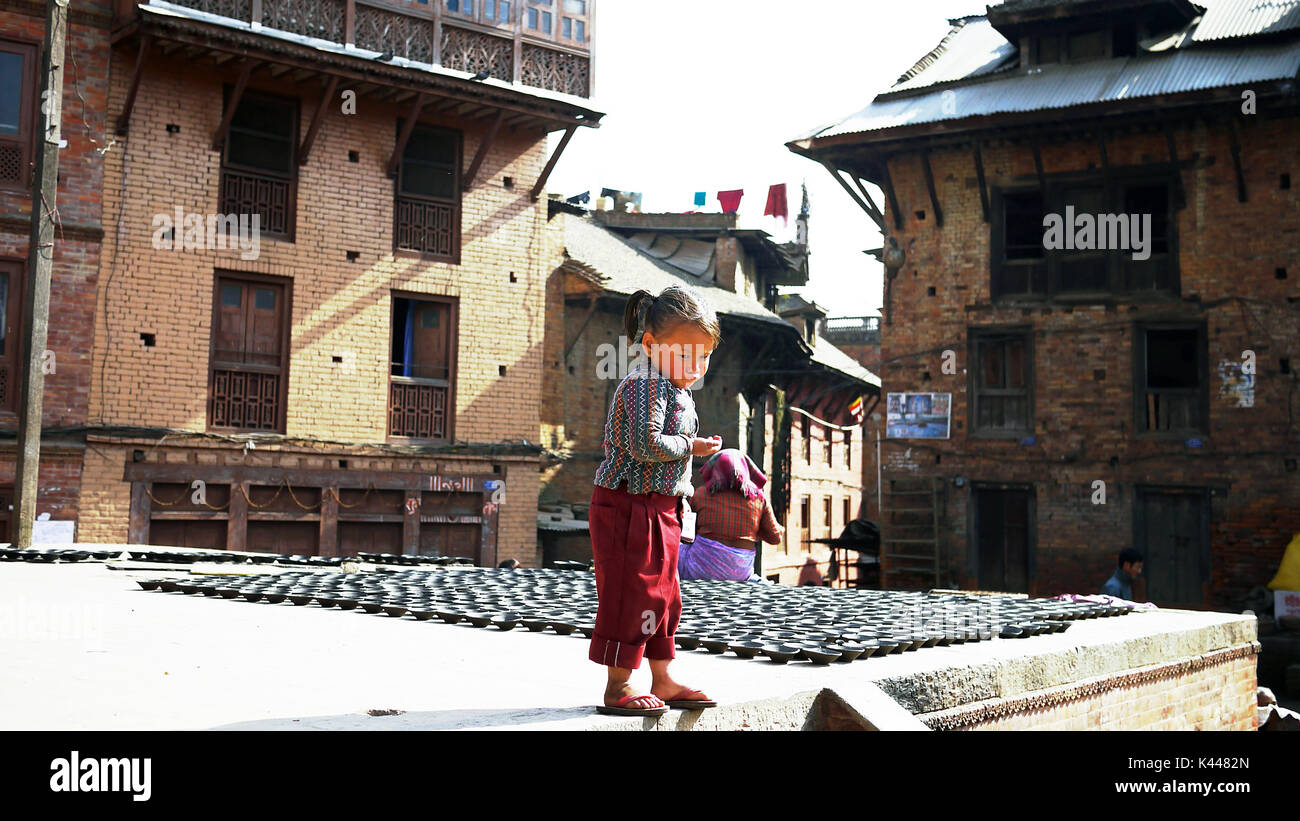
{"x": 326, "y": 102}
{"x": 870, "y": 210}
{"x": 929, "y": 186}
{"x": 483, "y": 149}
{"x": 219, "y": 136}
{"x": 141, "y": 57}
{"x": 979, "y": 177}
{"x": 279, "y": 70}
{"x": 889, "y": 192}
{"x": 550, "y": 165}
{"x": 1235, "y": 148}
{"x": 407, "y": 127}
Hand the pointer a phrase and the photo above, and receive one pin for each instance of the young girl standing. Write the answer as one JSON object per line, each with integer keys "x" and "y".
{"x": 636, "y": 504}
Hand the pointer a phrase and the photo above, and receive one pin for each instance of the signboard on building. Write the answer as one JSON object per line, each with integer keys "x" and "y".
{"x": 918, "y": 416}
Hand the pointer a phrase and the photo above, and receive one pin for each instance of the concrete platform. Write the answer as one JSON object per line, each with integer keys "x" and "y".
{"x": 87, "y": 649}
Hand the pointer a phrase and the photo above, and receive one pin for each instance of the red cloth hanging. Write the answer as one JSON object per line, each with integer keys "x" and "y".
{"x": 776, "y": 203}
{"x": 730, "y": 200}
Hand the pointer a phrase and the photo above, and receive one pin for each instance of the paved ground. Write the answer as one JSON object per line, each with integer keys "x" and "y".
{"x": 89, "y": 650}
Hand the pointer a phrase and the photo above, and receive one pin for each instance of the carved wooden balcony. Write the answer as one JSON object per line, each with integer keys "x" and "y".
{"x": 430, "y": 32}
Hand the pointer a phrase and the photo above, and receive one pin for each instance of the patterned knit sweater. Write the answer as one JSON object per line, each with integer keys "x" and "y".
{"x": 648, "y": 435}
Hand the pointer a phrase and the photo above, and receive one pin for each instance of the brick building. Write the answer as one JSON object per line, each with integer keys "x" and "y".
{"x": 74, "y": 278}
{"x": 364, "y": 376}
{"x": 1103, "y": 394}
{"x": 771, "y": 389}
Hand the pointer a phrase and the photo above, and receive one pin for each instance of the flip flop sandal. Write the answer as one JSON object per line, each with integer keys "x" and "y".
{"x": 689, "y": 703}
{"x": 619, "y": 710}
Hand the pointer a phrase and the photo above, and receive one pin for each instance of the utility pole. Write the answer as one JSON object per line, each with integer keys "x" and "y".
{"x": 40, "y": 260}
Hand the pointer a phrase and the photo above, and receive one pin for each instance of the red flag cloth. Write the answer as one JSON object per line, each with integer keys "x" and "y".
{"x": 776, "y": 203}
{"x": 730, "y": 200}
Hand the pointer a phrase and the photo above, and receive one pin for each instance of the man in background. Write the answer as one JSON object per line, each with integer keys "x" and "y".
{"x": 1121, "y": 584}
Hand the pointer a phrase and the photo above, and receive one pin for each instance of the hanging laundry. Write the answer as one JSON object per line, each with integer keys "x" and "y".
{"x": 730, "y": 200}
{"x": 776, "y": 203}
{"x": 624, "y": 198}
{"x": 700, "y": 198}
{"x": 580, "y": 199}
{"x": 609, "y": 192}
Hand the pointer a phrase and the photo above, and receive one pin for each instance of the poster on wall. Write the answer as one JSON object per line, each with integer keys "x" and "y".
{"x": 918, "y": 415}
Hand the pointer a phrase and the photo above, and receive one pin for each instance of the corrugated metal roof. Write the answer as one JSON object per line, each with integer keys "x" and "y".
{"x": 1245, "y": 18}
{"x": 972, "y": 48}
{"x": 974, "y": 63}
{"x": 1067, "y": 85}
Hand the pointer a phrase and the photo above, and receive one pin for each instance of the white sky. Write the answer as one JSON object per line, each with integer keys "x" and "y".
{"x": 703, "y": 96}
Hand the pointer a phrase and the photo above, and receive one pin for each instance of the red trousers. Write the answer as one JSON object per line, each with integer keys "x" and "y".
{"x": 634, "y": 541}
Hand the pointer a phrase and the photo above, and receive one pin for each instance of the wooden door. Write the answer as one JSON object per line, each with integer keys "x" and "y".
{"x": 1002, "y": 535}
{"x": 443, "y": 539}
{"x": 197, "y": 533}
{"x": 1173, "y": 535}
{"x": 431, "y": 340}
{"x": 302, "y": 538}
{"x": 370, "y": 537}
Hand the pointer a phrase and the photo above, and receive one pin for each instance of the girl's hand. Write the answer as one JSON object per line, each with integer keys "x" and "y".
{"x": 706, "y": 447}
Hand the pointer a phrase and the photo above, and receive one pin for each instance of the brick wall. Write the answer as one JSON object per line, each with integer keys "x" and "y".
{"x": 340, "y": 308}
{"x": 75, "y": 268}
{"x": 1229, "y": 257}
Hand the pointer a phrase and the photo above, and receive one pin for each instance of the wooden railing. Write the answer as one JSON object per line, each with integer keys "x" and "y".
{"x": 427, "y": 227}
{"x": 269, "y": 197}
{"x": 246, "y": 400}
{"x": 417, "y": 408}
{"x": 426, "y": 33}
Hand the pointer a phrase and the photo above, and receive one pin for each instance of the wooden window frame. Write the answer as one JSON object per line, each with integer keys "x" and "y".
{"x": 291, "y": 203}
{"x": 13, "y": 356}
{"x": 973, "y": 338}
{"x": 1140, "y": 391}
{"x": 453, "y": 347}
{"x": 458, "y": 204}
{"x": 27, "y": 111}
{"x": 285, "y": 331}
{"x": 585, "y": 19}
{"x": 848, "y": 449}
{"x": 1118, "y": 274}
{"x": 828, "y": 512}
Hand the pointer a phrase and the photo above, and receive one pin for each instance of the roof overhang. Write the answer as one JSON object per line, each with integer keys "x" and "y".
{"x": 214, "y": 43}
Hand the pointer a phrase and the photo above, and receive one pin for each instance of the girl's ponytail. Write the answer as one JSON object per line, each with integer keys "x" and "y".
{"x": 634, "y": 314}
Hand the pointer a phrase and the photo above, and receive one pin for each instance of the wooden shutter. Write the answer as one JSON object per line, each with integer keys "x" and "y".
{"x": 11, "y": 340}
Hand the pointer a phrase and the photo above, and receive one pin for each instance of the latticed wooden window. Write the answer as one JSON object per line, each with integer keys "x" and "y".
{"x": 249, "y": 361}
{"x": 423, "y": 362}
{"x": 1003, "y": 387}
{"x": 18, "y": 111}
{"x": 426, "y": 212}
{"x": 11, "y": 341}
{"x": 259, "y": 163}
